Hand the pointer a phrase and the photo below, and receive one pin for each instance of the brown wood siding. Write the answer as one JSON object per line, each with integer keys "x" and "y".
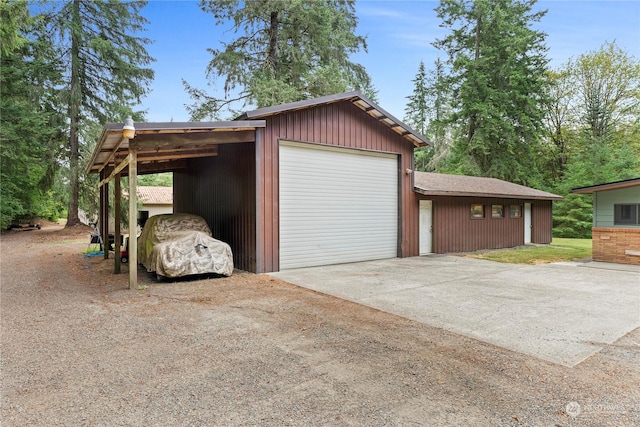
{"x": 455, "y": 231}
{"x": 222, "y": 190}
{"x": 339, "y": 124}
{"x": 541, "y": 221}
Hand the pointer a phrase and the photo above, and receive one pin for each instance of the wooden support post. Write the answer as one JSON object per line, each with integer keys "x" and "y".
{"x": 105, "y": 221}
{"x": 100, "y": 224}
{"x": 118, "y": 219}
{"x": 133, "y": 217}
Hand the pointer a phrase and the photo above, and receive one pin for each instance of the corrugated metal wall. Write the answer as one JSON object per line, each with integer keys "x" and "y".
{"x": 340, "y": 124}
{"x": 222, "y": 190}
{"x": 455, "y": 231}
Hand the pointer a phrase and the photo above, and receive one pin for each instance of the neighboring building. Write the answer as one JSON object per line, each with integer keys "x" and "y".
{"x": 317, "y": 182}
{"x": 468, "y": 213}
{"x": 155, "y": 201}
{"x": 616, "y": 221}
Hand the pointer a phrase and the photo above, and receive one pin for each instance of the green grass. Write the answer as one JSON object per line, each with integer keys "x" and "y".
{"x": 559, "y": 250}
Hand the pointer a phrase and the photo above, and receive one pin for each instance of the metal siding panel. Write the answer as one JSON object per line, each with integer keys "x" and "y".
{"x": 271, "y": 199}
{"x": 222, "y": 190}
{"x": 259, "y": 156}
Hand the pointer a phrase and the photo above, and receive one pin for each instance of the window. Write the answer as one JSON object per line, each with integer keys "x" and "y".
{"x": 497, "y": 211}
{"x": 515, "y": 211}
{"x": 477, "y": 211}
{"x": 625, "y": 214}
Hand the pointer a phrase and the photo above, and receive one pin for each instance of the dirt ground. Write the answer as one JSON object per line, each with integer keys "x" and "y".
{"x": 79, "y": 349}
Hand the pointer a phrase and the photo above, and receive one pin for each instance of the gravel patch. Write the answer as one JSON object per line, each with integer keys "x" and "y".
{"x": 79, "y": 349}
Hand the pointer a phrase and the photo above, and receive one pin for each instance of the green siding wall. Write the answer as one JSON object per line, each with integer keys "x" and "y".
{"x": 603, "y": 202}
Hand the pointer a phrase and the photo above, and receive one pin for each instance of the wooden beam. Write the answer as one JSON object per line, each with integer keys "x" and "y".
{"x": 133, "y": 217}
{"x": 117, "y": 170}
{"x": 188, "y": 127}
{"x": 147, "y": 151}
{"x": 157, "y": 167}
{"x": 112, "y": 153}
{"x": 170, "y": 140}
{"x": 175, "y": 155}
{"x": 118, "y": 219}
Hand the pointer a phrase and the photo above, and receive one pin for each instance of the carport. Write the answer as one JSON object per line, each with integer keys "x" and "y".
{"x": 125, "y": 149}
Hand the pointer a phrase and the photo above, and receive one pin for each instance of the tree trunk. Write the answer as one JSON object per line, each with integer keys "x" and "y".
{"x": 272, "y": 50}
{"x": 75, "y": 100}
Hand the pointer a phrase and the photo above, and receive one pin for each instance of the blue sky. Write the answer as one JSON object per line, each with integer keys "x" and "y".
{"x": 399, "y": 36}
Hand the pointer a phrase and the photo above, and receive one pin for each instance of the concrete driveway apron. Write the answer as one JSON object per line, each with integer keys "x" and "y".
{"x": 562, "y": 312}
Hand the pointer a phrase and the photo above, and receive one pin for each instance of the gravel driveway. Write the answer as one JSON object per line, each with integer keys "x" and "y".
{"x": 79, "y": 349}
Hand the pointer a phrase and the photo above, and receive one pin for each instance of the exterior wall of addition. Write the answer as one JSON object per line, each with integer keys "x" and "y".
{"x": 603, "y": 202}
{"x": 618, "y": 245}
{"x": 454, "y": 229}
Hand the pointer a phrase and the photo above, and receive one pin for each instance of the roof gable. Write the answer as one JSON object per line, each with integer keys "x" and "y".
{"x": 357, "y": 99}
{"x": 437, "y": 184}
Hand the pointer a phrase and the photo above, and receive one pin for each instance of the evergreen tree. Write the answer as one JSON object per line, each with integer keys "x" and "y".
{"x": 417, "y": 115}
{"x": 425, "y": 112}
{"x": 498, "y": 66}
{"x": 285, "y": 51}
{"x": 30, "y": 121}
{"x": 104, "y": 66}
{"x": 417, "y": 109}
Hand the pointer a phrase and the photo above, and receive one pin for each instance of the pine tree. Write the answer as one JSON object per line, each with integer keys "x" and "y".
{"x": 417, "y": 109}
{"x": 285, "y": 51}
{"x": 417, "y": 115}
{"x": 425, "y": 112}
{"x": 498, "y": 66}
{"x": 30, "y": 123}
{"x": 104, "y": 66}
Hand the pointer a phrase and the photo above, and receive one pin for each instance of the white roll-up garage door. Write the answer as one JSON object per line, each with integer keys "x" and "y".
{"x": 337, "y": 205}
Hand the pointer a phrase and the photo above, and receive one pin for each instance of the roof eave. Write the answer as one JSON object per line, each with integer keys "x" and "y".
{"x": 298, "y": 105}
{"x": 354, "y": 96}
{"x": 607, "y": 186}
{"x": 485, "y": 195}
{"x": 98, "y": 147}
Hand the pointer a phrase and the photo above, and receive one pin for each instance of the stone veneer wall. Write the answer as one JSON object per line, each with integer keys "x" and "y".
{"x": 619, "y": 245}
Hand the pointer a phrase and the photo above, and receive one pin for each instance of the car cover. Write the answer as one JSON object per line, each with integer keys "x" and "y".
{"x": 175, "y": 245}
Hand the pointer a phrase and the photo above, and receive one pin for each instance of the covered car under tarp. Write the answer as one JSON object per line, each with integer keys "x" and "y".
{"x": 176, "y": 245}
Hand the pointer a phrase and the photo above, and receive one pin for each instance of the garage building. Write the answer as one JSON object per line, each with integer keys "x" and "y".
{"x": 324, "y": 182}
{"x": 317, "y": 182}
